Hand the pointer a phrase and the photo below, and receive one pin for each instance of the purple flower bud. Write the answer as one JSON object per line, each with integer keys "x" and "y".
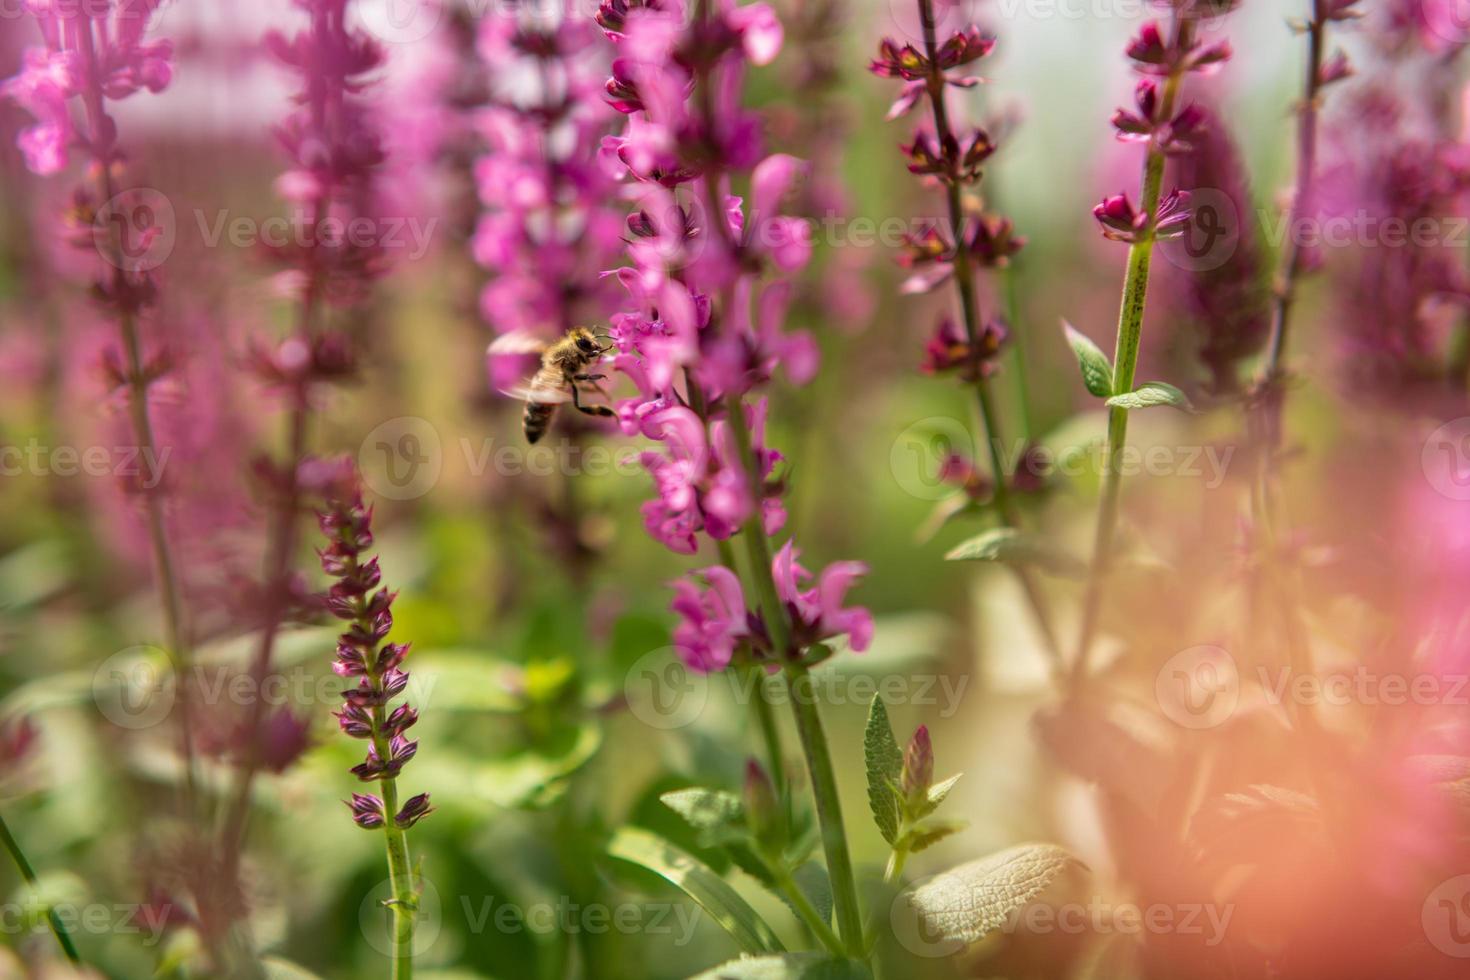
{"x": 413, "y": 811}
{"x": 918, "y": 766}
{"x": 964, "y": 47}
{"x": 367, "y": 811}
{"x": 905, "y": 62}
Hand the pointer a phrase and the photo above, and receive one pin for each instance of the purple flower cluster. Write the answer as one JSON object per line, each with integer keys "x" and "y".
{"x": 550, "y": 224}
{"x": 711, "y": 279}
{"x": 1163, "y": 55}
{"x": 363, "y": 656}
{"x": 93, "y": 49}
{"x": 335, "y": 151}
{"x": 952, "y": 159}
{"x": 715, "y": 621}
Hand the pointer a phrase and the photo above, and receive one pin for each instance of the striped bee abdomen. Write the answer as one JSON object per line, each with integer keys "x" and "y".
{"x": 537, "y": 420}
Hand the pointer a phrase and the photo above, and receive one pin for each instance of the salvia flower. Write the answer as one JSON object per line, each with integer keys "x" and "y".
{"x": 93, "y": 48}
{"x": 817, "y": 613}
{"x": 1146, "y": 125}
{"x": 550, "y": 221}
{"x": 949, "y": 349}
{"x": 357, "y": 598}
{"x": 1121, "y": 222}
{"x": 335, "y": 150}
{"x": 713, "y": 621}
{"x": 1153, "y": 54}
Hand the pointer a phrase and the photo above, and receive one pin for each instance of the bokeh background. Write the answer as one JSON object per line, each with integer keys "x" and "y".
{"x": 552, "y": 710}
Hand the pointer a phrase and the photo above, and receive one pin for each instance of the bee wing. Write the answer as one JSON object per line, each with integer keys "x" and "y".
{"x": 541, "y": 396}
{"x": 518, "y": 342}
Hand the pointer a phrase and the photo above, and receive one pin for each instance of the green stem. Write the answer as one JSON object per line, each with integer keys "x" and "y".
{"x": 58, "y": 928}
{"x": 765, "y": 718}
{"x": 803, "y": 701}
{"x": 988, "y": 422}
{"x": 400, "y": 875}
{"x": 1125, "y": 364}
{"x": 829, "y": 807}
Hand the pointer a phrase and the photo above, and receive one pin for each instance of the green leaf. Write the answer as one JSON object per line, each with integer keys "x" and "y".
{"x": 1150, "y": 394}
{"x": 717, "y": 814}
{"x": 1097, "y": 372}
{"x": 937, "y": 794}
{"x": 967, "y": 902}
{"x": 927, "y": 835}
{"x": 792, "y": 966}
{"x": 884, "y": 762}
{"x": 696, "y": 880}
{"x": 812, "y": 879}
{"x": 537, "y": 775}
{"x": 1006, "y": 544}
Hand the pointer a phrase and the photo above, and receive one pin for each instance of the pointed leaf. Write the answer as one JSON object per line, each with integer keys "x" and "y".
{"x": 967, "y": 902}
{"x": 696, "y": 880}
{"x": 1097, "y": 372}
{"x": 719, "y": 815}
{"x": 1152, "y": 393}
{"x": 929, "y": 834}
{"x": 936, "y": 795}
{"x": 884, "y": 764}
{"x": 1005, "y": 544}
{"x": 812, "y": 879}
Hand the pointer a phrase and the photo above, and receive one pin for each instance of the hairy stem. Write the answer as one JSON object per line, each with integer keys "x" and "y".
{"x": 988, "y": 421}
{"x": 1267, "y": 504}
{"x": 102, "y": 143}
{"x": 829, "y": 807}
{"x": 23, "y": 865}
{"x": 803, "y": 701}
{"x": 405, "y": 902}
{"x": 1125, "y": 364}
{"x": 1302, "y": 200}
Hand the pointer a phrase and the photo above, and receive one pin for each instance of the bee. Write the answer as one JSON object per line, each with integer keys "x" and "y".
{"x": 561, "y": 379}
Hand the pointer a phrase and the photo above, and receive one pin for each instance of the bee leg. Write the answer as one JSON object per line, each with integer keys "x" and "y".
{"x": 589, "y": 377}
{"x": 600, "y": 411}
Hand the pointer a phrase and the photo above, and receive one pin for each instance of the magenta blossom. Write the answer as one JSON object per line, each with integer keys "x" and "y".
{"x": 817, "y": 614}
{"x": 701, "y": 484}
{"x": 713, "y": 621}
{"x": 95, "y": 48}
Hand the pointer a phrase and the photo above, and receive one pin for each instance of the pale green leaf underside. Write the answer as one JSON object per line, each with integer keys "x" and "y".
{"x": 1151, "y": 394}
{"x": 1097, "y": 372}
{"x": 970, "y": 901}
{"x": 1005, "y": 544}
{"x": 696, "y": 880}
